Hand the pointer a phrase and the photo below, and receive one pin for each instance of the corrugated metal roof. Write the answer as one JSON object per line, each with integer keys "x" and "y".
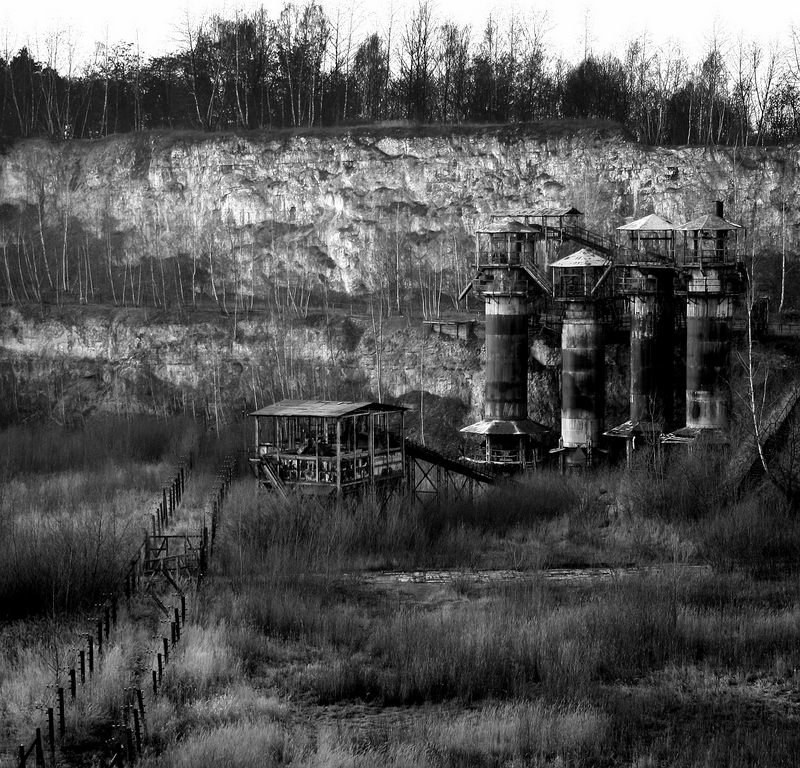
{"x": 539, "y": 212}
{"x": 582, "y": 258}
{"x": 497, "y": 427}
{"x": 634, "y": 428}
{"x": 708, "y": 221}
{"x": 323, "y": 408}
{"x": 516, "y": 227}
{"x": 651, "y": 223}
{"x": 691, "y": 434}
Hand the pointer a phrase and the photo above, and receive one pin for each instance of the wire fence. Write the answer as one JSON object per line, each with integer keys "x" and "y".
{"x": 152, "y": 566}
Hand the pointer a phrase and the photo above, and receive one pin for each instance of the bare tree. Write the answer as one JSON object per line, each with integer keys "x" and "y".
{"x": 302, "y": 37}
{"x": 452, "y": 72}
{"x": 416, "y": 62}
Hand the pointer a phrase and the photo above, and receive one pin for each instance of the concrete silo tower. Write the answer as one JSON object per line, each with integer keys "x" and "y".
{"x": 708, "y": 254}
{"x": 506, "y": 438}
{"x": 581, "y": 282}
{"x": 645, "y": 260}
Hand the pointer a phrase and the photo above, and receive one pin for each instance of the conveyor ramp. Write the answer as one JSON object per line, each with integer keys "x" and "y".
{"x": 433, "y": 476}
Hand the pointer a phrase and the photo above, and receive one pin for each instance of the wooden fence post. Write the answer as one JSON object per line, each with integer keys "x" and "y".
{"x": 62, "y": 721}
{"x": 137, "y": 730}
{"x": 51, "y": 732}
{"x": 140, "y": 701}
{"x": 39, "y": 749}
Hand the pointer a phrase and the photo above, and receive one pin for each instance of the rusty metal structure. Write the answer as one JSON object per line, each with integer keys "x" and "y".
{"x": 507, "y": 276}
{"x": 650, "y": 257}
{"x": 709, "y": 256}
{"x": 325, "y": 447}
{"x": 581, "y": 283}
{"x": 645, "y": 263}
{"x": 330, "y": 448}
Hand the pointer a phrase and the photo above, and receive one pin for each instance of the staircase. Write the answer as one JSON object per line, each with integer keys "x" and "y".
{"x": 537, "y": 274}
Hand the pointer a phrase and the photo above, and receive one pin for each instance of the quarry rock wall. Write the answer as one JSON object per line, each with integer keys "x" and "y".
{"x": 330, "y": 207}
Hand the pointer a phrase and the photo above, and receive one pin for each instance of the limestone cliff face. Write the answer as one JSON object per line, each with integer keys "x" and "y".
{"x": 330, "y": 208}
{"x": 334, "y": 205}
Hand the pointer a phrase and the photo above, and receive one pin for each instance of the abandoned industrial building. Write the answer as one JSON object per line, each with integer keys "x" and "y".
{"x": 541, "y": 266}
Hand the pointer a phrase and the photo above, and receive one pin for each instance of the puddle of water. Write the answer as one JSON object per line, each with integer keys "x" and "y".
{"x": 551, "y": 574}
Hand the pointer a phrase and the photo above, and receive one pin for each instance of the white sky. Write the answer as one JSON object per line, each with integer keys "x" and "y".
{"x": 155, "y": 24}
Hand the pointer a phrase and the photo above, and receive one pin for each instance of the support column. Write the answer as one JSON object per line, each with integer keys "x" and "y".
{"x": 652, "y": 340}
{"x": 582, "y": 375}
{"x": 709, "y": 313}
{"x": 506, "y": 389}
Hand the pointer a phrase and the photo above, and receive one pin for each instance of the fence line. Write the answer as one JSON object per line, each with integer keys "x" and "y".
{"x": 134, "y": 726}
{"x": 134, "y": 711}
{"x": 87, "y": 658}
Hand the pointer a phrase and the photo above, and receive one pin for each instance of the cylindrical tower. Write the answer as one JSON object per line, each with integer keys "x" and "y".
{"x": 506, "y": 276}
{"x": 506, "y": 389}
{"x": 652, "y": 342}
{"x": 581, "y": 282}
{"x": 709, "y": 258}
{"x": 582, "y": 375}
{"x": 709, "y": 312}
{"x": 645, "y": 259}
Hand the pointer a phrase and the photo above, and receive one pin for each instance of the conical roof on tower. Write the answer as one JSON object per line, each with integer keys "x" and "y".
{"x": 651, "y": 223}
{"x": 709, "y": 222}
{"x": 582, "y": 258}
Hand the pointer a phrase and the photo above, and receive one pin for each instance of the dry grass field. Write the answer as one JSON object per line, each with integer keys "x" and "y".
{"x": 613, "y": 619}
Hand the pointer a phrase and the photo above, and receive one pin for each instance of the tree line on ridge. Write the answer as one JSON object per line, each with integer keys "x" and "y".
{"x": 309, "y": 68}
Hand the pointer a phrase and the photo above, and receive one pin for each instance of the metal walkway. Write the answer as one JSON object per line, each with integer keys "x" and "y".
{"x": 586, "y": 237}
{"x": 597, "y": 242}
{"x": 433, "y": 477}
